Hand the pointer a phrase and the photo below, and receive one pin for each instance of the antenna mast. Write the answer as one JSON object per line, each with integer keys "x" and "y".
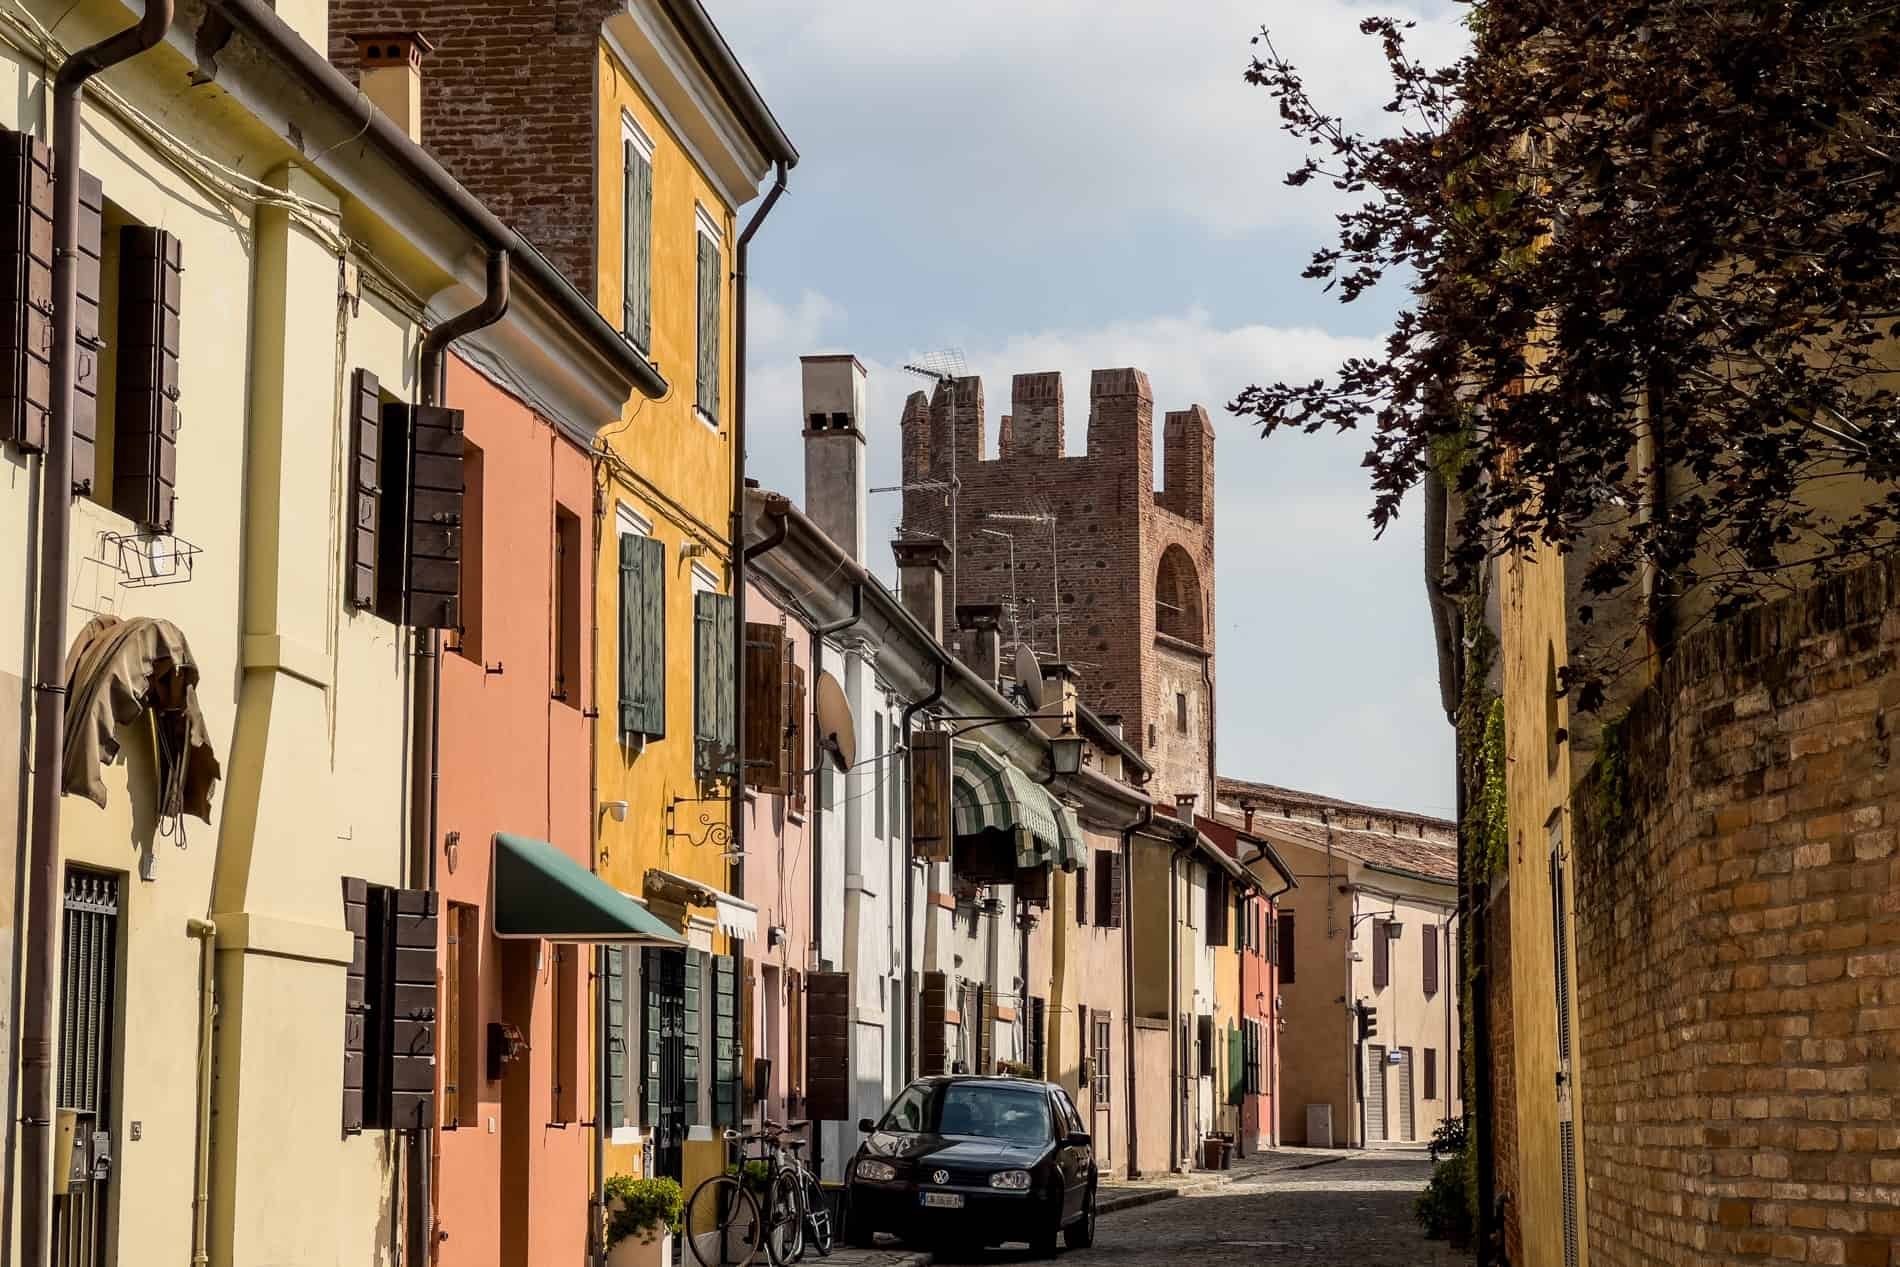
{"x": 944, "y": 369}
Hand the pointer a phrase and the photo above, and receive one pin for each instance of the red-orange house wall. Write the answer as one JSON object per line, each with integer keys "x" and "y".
{"x": 511, "y": 1186}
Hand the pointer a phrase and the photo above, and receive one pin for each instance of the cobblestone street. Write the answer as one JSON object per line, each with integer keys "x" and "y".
{"x": 1354, "y": 1210}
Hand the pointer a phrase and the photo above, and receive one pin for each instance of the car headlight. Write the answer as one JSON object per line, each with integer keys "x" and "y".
{"x": 877, "y": 1171}
{"x": 1013, "y": 1180}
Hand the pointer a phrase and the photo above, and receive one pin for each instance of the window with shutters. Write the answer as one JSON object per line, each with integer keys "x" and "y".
{"x": 795, "y": 1034}
{"x": 616, "y": 990}
{"x": 1180, "y": 713}
{"x": 1428, "y": 943}
{"x": 796, "y": 760}
{"x": 1286, "y": 945}
{"x": 389, "y": 1034}
{"x": 1431, "y": 1073}
{"x": 564, "y": 1065}
{"x": 724, "y": 1034}
{"x": 1108, "y": 889}
{"x": 1204, "y": 1041}
{"x": 26, "y": 289}
{"x": 712, "y": 280}
{"x": 419, "y": 529}
{"x": 468, "y": 637}
{"x": 365, "y": 490}
{"x": 714, "y": 749}
{"x": 642, "y": 630}
{"x": 693, "y": 1038}
{"x": 1103, "y": 1085}
{"x": 827, "y": 1044}
{"x": 568, "y": 620}
{"x": 767, "y": 707}
{"x": 1381, "y": 955}
{"x": 1038, "y": 1036}
{"x": 636, "y": 235}
{"x": 1081, "y": 879}
{"x": 461, "y": 1015}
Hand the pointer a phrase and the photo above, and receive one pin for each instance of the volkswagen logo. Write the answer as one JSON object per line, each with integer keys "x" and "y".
{"x": 941, "y": 1176}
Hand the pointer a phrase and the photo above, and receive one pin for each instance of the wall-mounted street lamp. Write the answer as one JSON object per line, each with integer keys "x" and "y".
{"x": 1065, "y": 752}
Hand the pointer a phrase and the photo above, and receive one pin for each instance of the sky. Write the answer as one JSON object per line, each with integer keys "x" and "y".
{"x": 1081, "y": 184}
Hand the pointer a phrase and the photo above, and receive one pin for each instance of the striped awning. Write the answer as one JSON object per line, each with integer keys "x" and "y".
{"x": 990, "y": 794}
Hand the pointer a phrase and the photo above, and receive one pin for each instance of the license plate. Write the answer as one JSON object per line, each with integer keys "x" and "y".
{"x": 944, "y": 1200}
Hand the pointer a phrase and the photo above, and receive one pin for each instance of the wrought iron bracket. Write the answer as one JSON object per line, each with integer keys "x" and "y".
{"x": 710, "y": 832}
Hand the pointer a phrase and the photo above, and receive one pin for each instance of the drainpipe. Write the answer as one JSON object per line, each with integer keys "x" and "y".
{"x": 1177, "y": 1074}
{"x": 207, "y": 934}
{"x": 596, "y": 1240}
{"x": 1129, "y": 833}
{"x": 425, "y": 748}
{"x": 910, "y": 853}
{"x": 815, "y": 822}
{"x": 49, "y": 687}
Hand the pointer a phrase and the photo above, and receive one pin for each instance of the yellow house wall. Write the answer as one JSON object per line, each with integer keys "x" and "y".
{"x": 674, "y": 471}
{"x": 1532, "y": 623}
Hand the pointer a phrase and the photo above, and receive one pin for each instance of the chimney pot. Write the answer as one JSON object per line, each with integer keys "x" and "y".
{"x": 391, "y": 75}
{"x": 835, "y": 491}
{"x": 920, "y": 567}
{"x": 982, "y": 643}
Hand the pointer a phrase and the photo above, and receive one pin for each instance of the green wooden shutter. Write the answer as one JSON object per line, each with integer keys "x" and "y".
{"x": 616, "y": 992}
{"x": 642, "y": 636}
{"x": 650, "y": 1026}
{"x": 689, "y": 1082}
{"x": 725, "y": 1037}
{"x": 637, "y": 248}
{"x": 709, "y": 288}
{"x": 714, "y": 694}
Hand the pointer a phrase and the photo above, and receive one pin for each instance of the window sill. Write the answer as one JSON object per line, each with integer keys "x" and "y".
{"x": 625, "y": 1135}
{"x": 699, "y": 1134}
{"x": 712, "y": 423}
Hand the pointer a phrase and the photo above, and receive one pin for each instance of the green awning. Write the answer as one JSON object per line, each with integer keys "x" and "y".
{"x": 539, "y": 892}
{"x": 990, "y": 794}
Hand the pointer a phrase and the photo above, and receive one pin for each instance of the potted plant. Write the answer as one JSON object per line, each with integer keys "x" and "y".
{"x": 642, "y": 1215}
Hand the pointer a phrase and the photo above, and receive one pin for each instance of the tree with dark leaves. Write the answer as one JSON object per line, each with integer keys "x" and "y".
{"x": 1655, "y": 293}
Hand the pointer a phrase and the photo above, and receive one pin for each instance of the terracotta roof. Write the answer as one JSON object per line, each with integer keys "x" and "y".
{"x": 1397, "y": 839}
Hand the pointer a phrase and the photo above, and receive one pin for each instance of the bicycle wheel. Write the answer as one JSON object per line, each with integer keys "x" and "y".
{"x": 723, "y": 1227}
{"x": 784, "y": 1221}
{"x": 817, "y": 1214}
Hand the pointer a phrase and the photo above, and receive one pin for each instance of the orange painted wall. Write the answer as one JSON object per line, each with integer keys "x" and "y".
{"x": 512, "y": 1185}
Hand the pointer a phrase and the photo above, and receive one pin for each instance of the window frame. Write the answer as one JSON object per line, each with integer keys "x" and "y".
{"x": 633, "y": 136}
{"x": 705, "y": 226}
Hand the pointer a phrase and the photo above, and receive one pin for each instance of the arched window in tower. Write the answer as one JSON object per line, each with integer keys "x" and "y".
{"x": 1178, "y": 597}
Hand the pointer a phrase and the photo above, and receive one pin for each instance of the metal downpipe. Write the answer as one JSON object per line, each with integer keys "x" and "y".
{"x": 1128, "y": 981}
{"x": 49, "y": 686}
{"x": 910, "y": 852}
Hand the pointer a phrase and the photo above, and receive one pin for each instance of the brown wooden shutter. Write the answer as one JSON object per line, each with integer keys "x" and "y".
{"x": 1428, "y": 940}
{"x": 26, "y": 289}
{"x": 356, "y": 1009}
{"x": 1431, "y": 1073}
{"x": 412, "y": 1009}
{"x": 1284, "y": 922}
{"x": 1081, "y": 898}
{"x": 366, "y": 451}
{"x": 931, "y": 828}
{"x": 795, "y": 1033}
{"x": 932, "y": 1052}
{"x": 765, "y": 707}
{"x": 450, "y": 1018}
{"x": 435, "y": 519}
{"x": 1104, "y": 888}
{"x": 145, "y": 418}
{"x": 828, "y": 1046}
{"x": 85, "y": 451}
{"x": 1112, "y": 875}
{"x": 1381, "y": 956}
{"x": 1204, "y": 1039}
{"x": 797, "y": 781}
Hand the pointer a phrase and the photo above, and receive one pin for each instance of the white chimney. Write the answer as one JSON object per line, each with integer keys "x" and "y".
{"x": 391, "y": 76}
{"x": 834, "y": 449}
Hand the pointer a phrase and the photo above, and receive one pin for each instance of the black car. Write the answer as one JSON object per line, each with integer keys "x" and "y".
{"x": 971, "y": 1162}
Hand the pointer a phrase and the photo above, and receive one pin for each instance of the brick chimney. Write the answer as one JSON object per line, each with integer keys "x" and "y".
{"x": 920, "y": 564}
{"x": 981, "y": 641}
{"x": 391, "y": 76}
{"x": 834, "y": 449}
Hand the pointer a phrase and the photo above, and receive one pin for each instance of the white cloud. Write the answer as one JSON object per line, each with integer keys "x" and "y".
{"x": 993, "y": 117}
{"x": 1326, "y": 659}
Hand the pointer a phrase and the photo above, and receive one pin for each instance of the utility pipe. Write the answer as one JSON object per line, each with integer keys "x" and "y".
{"x": 49, "y": 686}
{"x": 425, "y": 747}
{"x": 1141, "y": 823}
{"x": 207, "y": 934}
{"x": 1177, "y": 1073}
{"x": 910, "y": 854}
{"x": 596, "y": 1225}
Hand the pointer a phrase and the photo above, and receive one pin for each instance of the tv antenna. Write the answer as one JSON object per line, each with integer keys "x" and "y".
{"x": 1055, "y": 559}
{"x": 944, "y": 368}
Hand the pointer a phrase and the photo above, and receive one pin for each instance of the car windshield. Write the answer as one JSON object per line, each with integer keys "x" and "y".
{"x": 1017, "y": 1114}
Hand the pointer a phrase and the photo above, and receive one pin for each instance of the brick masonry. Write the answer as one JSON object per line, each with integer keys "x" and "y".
{"x": 499, "y": 96}
{"x": 1113, "y": 531}
{"x": 1738, "y": 946}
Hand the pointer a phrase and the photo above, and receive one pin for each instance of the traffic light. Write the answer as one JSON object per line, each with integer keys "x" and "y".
{"x": 1368, "y": 1022}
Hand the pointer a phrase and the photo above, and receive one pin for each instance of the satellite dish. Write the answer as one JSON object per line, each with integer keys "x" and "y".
{"x": 837, "y": 734}
{"x": 1029, "y": 675}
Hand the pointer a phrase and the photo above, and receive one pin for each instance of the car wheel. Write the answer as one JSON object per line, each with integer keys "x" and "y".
{"x": 1081, "y": 1233}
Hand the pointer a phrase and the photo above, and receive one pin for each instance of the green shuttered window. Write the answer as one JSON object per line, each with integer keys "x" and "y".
{"x": 714, "y": 705}
{"x": 616, "y": 991}
{"x": 637, "y": 248}
{"x": 642, "y": 637}
{"x": 725, "y": 1042}
{"x": 709, "y": 330}
{"x": 694, "y": 1035}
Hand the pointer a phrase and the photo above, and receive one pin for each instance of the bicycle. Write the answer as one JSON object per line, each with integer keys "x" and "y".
{"x": 724, "y": 1207}
{"x": 792, "y": 1214}
{"x": 814, "y": 1214}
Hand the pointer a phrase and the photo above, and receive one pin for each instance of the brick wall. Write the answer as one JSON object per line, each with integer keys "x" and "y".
{"x": 1503, "y": 1124}
{"x": 1112, "y": 528}
{"x": 507, "y": 107}
{"x": 1738, "y": 946}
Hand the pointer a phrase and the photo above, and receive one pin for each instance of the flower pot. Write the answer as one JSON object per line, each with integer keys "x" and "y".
{"x": 653, "y": 1249}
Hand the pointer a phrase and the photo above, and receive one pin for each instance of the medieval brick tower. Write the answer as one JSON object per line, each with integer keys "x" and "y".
{"x": 1126, "y": 584}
